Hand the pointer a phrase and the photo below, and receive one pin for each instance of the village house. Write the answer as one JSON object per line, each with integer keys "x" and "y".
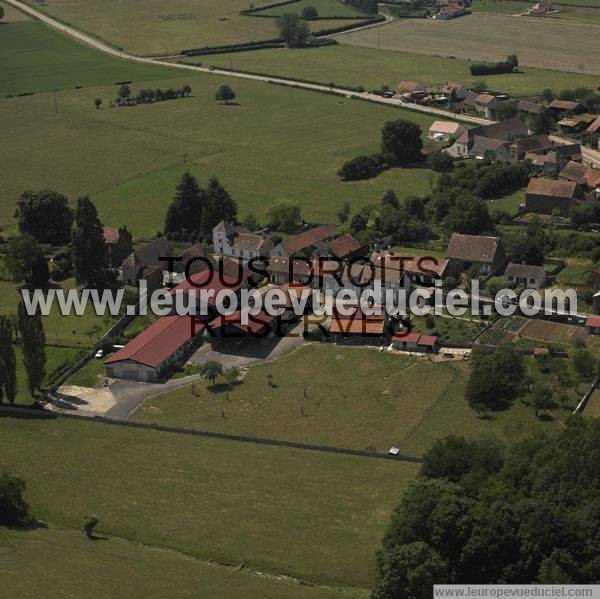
{"x": 541, "y": 164}
{"x": 411, "y": 90}
{"x": 525, "y": 275}
{"x": 594, "y": 127}
{"x": 419, "y": 270}
{"x": 155, "y": 352}
{"x": 546, "y": 195}
{"x": 580, "y": 173}
{"x": 592, "y": 324}
{"x": 488, "y": 148}
{"x": 459, "y": 91}
{"x": 312, "y": 242}
{"x": 453, "y": 10}
{"x": 572, "y": 125}
{"x": 416, "y": 342}
{"x": 535, "y": 143}
{"x": 146, "y": 264}
{"x": 460, "y": 147}
{"x": 345, "y": 247}
{"x": 541, "y": 8}
{"x": 487, "y": 105}
{"x": 528, "y": 107}
{"x": 444, "y": 130}
{"x": 484, "y": 252}
{"x": 236, "y": 242}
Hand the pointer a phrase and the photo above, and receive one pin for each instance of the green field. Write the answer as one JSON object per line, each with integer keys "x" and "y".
{"x": 152, "y": 27}
{"x": 372, "y": 68}
{"x": 355, "y": 397}
{"x": 492, "y": 37}
{"x": 578, "y": 10}
{"x": 325, "y": 8}
{"x": 36, "y": 58}
{"x": 314, "y": 515}
{"x": 119, "y": 568}
{"x": 271, "y": 146}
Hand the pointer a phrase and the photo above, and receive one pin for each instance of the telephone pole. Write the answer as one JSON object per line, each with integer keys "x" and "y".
{"x": 55, "y": 101}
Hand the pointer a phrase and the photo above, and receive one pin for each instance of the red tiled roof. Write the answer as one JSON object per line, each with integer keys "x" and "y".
{"x": 208, "y": 279}
{"x": 564, "y": 105}
{"x": 158, "y": 342}
{"x": 595, "y": 126}
{"x": 551, "y": 187}
{"x": 539, "y": 351}
{"x": 416, "y": 338}
{"x": 592, "y": 321}
{"x": 356, "y": 326}
{"x": 472, "y": 248}
{"x": 111, "y": 235}
{"x": 308, "y": 238}
{"x": 256, "y": 322}
{"x": 344, "y": 245}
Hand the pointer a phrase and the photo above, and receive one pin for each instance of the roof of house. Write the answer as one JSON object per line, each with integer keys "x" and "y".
{"x": 569, "y": 122}
{"x": 564, "y": 105}
{"x": 471, "y": 98}
{"x": 344, "y": 246}
{"x": 472, "y": 248}
{"x": 376, "y": 312}
{"x": 294, "y": 290}
{"x": 501, "y": 129}
{"x": 209, "y": 279}
{"x": 486, "y": 99}
{"x": 308, "y": 238}
{"x": 356, "y": 326}
{"x": 281, "y": 264}
{"x": 550, "y": 187}
{"x": 450, "y": 87}
{"x": 111, "y": 235}
{"x": 242, "y": 238}
{"x": 411, "y": 86}
{"x": 514, "y": 269}
{"x": 482, "y": 144}
{"x": 540, "y": 351}
{"x": 255, "y": 323}
{"x": 592, "y": 321}
{"x": 410, "y": 264}
{"x": 595, "y": 126}
{"x": 149, "y": 254}
{"x": 416, "y": 338}
{"x": 529, "y": 106}
{"x": 158, "y": 342}
{"x": 533, "y": 143}
{"x": 582, "y": 174}
{"x": 540, "y": 159}
{"x": 446, "y": 127}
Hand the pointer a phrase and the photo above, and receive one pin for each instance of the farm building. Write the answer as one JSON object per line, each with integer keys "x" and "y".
{"x": 488, "y": 148}
{"x": 415, "y": 342}
{"x": 359, "y": 327}
{"x": 594, "y": 127}
{"x": 582, "y": 174}
{"x": 460, "y": 91}
{"x": 528, "y": 107}
{"x": 445, "y": 130}
{"x": 592, "y": 324}
{"x": 236, "y": 242}
{"x": 525, "y": 275}
{"x": 486, "y": 105}
{"x": 156, "y": 351}
{"x": 420, "y": 269}
{"x": 345, "y": 247}
{"x": 464, "y": 251}
{"x": 559, "y": 106}
{"x": 311, "y": 242}
{"x": 546, "y": 195}
{"x": 508, "y": 130}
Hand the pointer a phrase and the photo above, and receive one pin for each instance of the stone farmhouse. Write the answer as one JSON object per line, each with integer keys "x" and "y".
{"x": 236, "y": 242}
{"x": 546, "y": 195}
{"x": 484, "y": 252}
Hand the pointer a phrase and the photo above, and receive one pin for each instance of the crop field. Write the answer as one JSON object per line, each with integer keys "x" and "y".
{"x": 212, "y": 499}
{"x": 372, "y": 68}
{"x": 269, "y": 146}
{"x": 531, "y": 333}
{"x": 325, "y": 9}
{"x": 12, "y": 15}
{"x": 153, "y": 27}
{"x": 36, "y": 58}
{"x": 492, "y": 38}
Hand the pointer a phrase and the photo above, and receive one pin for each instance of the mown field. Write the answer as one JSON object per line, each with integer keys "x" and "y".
{"x": 372, "y": 68}
{"x": 152, "y": 27}
{"x": 313, "y": 515}
{"x": 117, "y": 568}
{"x": 587, "y": 11}
{"x": 343, "y": 396}
{"x": 492, "y": 37}
{"x": 270, "y": 146}
{"x": 36, "y": 58}
{"x": 325, "y": 8}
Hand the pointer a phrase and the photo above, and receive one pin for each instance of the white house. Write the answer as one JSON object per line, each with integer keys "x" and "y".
{"x": 444, "y": 130}
{"x": 236, "y": 242}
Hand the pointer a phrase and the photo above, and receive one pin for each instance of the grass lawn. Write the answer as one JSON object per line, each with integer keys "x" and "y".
{"x": 153, "y": 27}
{"x": 509, "y": 203}
{"x": 579, "y": 10}
{"x": 12, "y": 15}
{"x": 119, "y": 568}
{"x": 593, "y": 405}
{"x": 355, "y": 397}
{"x": 88, "y": 376}
{"x": 372, "y": 68}
{"x": 448, "y": 329}
{"x": 276, "y": 143}
{"x": 492, "y": 37}
{"x": 37, "y": 58}
{"x": 314, "y": 515}
{"x": 325, "y": 8}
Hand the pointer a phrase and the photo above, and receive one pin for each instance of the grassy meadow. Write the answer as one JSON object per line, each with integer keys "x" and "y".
{"x": 492, "y": 38}
{"x": 372, "y": 68}
{"x": 312, "y": 515}
{"x": 587, "y": 11}
{"x": 112, "y": 567}
{"x": 269, "y": 146}
{"x": 346, "y": 397}
{"x": 151, "y": 27}
{"x": 325, "y": 9}
{"x": 37, "y": 58}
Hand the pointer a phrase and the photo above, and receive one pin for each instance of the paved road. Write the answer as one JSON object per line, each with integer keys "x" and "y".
{"x": 590, "y": 155}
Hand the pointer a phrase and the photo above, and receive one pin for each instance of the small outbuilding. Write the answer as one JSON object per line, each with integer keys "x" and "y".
{"x": 526, "y": 275}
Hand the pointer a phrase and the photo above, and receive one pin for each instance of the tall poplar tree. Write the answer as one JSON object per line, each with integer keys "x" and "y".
{"x": 8, "y": 363}
{"x": 33, "y": 342}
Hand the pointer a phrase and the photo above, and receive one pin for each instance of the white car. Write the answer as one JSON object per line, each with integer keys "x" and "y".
{"x": 99, "y": 354}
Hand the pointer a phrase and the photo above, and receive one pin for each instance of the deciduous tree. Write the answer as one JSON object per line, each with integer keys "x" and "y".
{"x": 45, "y": 215}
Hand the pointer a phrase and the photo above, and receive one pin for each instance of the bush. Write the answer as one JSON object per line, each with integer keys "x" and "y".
{"x": 361, "y": 167}
{"x": 496, "y": 68}
{"x": 440, "y": 161}
{"x": 13, "y": 509}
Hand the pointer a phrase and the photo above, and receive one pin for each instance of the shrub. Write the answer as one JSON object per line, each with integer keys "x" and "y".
{"x": 361, "y": 167}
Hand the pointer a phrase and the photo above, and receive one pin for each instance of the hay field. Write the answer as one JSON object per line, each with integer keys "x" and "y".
{"x": 575, "y": 46}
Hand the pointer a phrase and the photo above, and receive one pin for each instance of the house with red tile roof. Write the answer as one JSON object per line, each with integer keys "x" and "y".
{"x": 312, "y": 242}
{"x": 444, "y": 130}
{"x": 546, "y": 195}
{"x": 412, "y": 90}
{"x": 236, "y": 242}
{"x": 592, "y": 324}
{"x": 485, "y": 252}
{"x": 417, "y": 342}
